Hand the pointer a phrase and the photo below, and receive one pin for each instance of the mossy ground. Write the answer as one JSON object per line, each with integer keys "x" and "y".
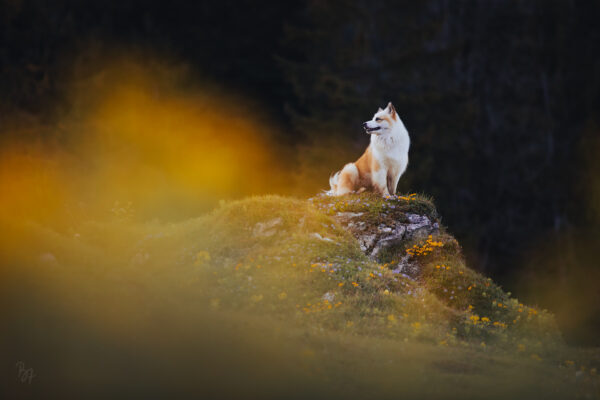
{"x": 377, "y": 208}
{"x": 273, "y": 289}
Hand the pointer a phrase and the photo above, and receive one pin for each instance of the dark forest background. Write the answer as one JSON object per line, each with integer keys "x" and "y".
{"x": 501, "y": 99}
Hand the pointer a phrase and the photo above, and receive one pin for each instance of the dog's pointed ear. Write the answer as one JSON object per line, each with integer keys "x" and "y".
{"x": 391, "y": 110}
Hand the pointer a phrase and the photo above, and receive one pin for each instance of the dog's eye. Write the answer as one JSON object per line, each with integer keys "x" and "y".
{"x": 377, "y": 119}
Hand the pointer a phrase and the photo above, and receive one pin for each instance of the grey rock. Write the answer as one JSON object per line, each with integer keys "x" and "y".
{"x": 419, "y": 227}
{"x": 388, "y": 241}
{"x": 373, "y": 240}
{"x": 348, "y": 215}
{"x": 366, "y": 241}
{"x": 318, "y": 236}
{"x": 407, "y": 267}
{"x": 268, "y": 228}
{"x": 383, "y": 228}
{"x": 329, "y": 296}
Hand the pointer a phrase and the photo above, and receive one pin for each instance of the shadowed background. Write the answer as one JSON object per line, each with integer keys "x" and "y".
{"x": 500, "y": 98}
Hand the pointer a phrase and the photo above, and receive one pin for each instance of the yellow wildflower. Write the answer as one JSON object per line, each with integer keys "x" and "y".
{"x": 256, "y": 298}
{"x": 202, "y": 257}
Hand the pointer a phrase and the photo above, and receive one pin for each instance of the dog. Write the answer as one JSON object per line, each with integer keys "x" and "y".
{"x": 380, "y": 167}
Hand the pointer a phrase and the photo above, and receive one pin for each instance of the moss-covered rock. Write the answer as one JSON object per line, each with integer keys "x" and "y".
{"x": 404, "y": 234}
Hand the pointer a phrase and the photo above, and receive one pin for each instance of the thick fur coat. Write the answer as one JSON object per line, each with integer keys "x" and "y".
{"x": 380, "y": 167}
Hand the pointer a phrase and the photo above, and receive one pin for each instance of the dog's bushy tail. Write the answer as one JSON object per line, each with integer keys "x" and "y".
{"x": 333, "y": 182}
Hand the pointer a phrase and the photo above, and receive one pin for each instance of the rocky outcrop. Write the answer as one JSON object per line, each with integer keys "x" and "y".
{"x": 390, "y": 236}
{"x": 384, "y": 226}
{"x": 374, "y": 239}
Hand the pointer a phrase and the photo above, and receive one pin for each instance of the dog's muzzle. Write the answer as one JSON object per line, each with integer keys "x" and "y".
{"x": 370, "y": 130}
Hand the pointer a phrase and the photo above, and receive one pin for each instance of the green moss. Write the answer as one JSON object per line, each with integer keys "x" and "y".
{"x": 374, "y": 205}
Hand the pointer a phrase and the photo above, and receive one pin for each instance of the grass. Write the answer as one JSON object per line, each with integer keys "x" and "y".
{"x": 269, "y": 290}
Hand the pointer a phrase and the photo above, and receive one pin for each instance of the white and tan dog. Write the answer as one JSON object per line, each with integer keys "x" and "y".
{"x": 385, "y": 160}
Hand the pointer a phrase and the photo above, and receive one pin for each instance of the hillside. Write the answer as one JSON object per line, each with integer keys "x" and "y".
{"x": 355, "y": 296}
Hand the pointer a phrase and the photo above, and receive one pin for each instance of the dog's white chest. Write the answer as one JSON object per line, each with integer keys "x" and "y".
{"x": 390, "y": 149}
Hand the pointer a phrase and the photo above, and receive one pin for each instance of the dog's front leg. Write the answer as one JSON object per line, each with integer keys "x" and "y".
{"x": 391, "y": 184}
{"x": 394, "y": 174}
{"x": 379, "y": 180}
{"x": 393, "y": 177}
